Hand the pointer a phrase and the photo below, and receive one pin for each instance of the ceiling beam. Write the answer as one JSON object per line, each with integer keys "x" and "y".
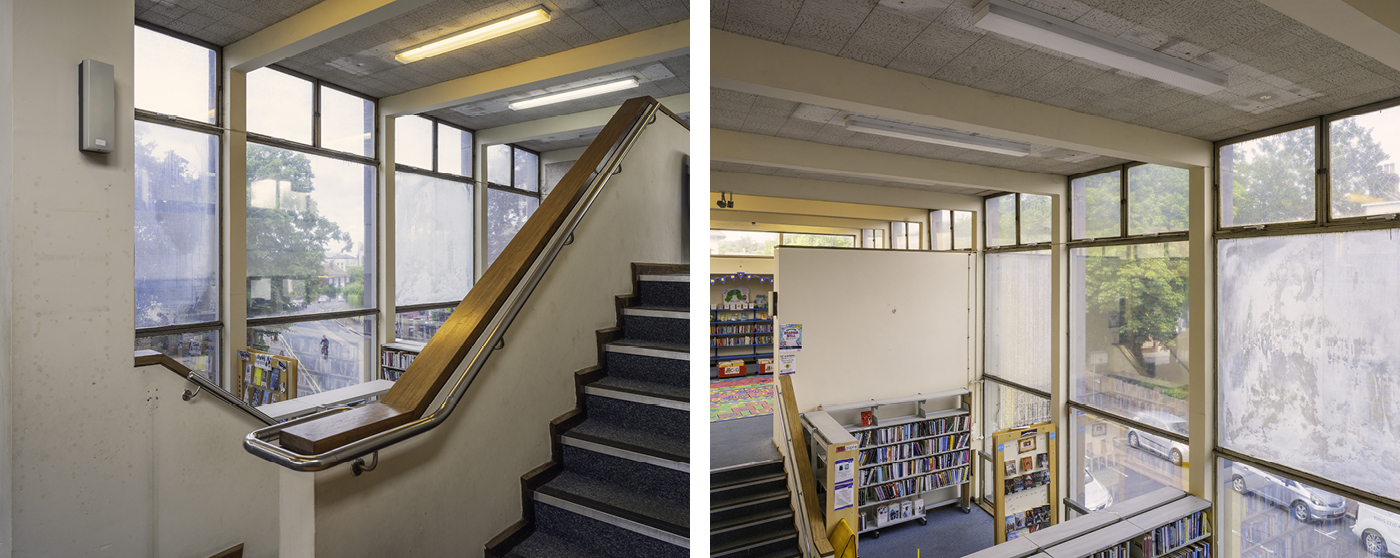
{"x": 561, "y": 156}
{"x": 567, "y": 123}
{"x": 1372, "y": 27}
{"x": 313, "y": 27}
{"x": 766, "y": 68}
{"x": 740, "y": 147}
{"x": 644, "y": 47}
{"x": 840, "y": 192}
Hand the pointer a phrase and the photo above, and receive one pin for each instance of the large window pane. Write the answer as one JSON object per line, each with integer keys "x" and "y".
{"x": 1001, "y": 221}
{"x": 331, "y": 354}
{"x": 433, "y": 240}
{"x": 1158, "y": 198}
{"x": 197, "y": 351}
{"x": 420, "y": 325}
{"x": 177, "y": 226}
{"x": 1307, "y": 354}
{"x": 499, "y": 164}
{"x": 1269, "y": 180}
{"x": 527, "y": 170}
{"x": 1096, "y": 205}
{"x": 1018, "y": 317}
{"x": 279, "y": 105}
{"x": 1263, "y": 514}
{"x": 1035, "y": 219}
{"x": 309, "y": 220}
{"x": 506, "y": 212}
{"x": 175, "y": 77}
{"x": 1112, "y": 462}
{"x": 898, "y": 235}
{"x": 940, "y": 229}
{"x": 743, "y": 243}
{"x": 962, "y": 230}
{"x": 454, "y": 150}
{"x": 832, "y": 240}
{"x": 1128, "y": 330}
{"x": 347, "y": 122}
{"x": 1362, "y": 169}
{"x": 1003, "y": 408}
{"x": 916, "y": 236}
{"x": 413, "y": 142}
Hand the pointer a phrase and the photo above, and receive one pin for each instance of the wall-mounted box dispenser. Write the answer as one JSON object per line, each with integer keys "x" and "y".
{"x": 97, "y": 107}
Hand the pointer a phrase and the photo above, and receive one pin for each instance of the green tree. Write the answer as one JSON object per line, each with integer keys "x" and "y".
{"x": 355, "y": 291}
{"x": 1146, "y": 285}
{"x": 288, "y": 239}
{"x": 1357, "y": 170}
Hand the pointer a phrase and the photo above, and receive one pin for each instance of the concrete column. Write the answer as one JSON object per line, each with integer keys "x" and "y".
{"x": 235, "y": 219}
{"x": 1059, "y": 341}
{"x": 385, "y": 234}
{"x": 1201, "y": 478}
{"x": 6, "y": 280}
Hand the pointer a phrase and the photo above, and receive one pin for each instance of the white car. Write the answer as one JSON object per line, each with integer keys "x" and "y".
{"x": 1096, "y": 497}
{"x": 1174, "y": 451}
{"x": 1374, "y": 527}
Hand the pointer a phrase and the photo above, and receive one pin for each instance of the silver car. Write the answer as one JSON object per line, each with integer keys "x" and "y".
{"x": 1304, "y": 502}
{"x": 1174, "y": 451}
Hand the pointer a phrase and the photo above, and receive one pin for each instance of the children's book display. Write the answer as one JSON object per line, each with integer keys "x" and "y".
{"x": 265, "y": 378}
{"x": 1027, "y": 477}
{"x": 740, "y": 321}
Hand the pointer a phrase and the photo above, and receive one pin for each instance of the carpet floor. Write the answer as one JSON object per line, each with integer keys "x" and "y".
{"x": 750, "y": 396}
{"x": 950, "y": 533}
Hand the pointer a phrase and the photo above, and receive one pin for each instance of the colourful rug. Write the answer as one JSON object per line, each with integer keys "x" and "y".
{"x": 734, "y": 398}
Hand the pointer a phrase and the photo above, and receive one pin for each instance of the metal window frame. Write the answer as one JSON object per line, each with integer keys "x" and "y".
{"x": 436, "y": 170}
{"x": 539, "y": 170}
{"x": 315, "y": 145}
{"x": 782, "y": 238}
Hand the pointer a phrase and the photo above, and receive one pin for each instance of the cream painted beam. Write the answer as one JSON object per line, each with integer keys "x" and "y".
{"x": 745, "y": 206}
{"x": 586, "y": 61}
{"x": 739, "y": 147}
{"x": 1369, "y": 26}
{"x": 562, "y": 155}
{"x": 313, "y": 27}
{"x": 841, "y": 192}
{"x": 765, "y": 68}
{"x": 565, "y": 123}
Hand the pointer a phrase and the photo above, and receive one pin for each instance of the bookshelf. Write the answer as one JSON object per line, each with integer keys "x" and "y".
{"x": 745, "y": 329}
{"x": 395, "y": 357}
{"x": 1024, "y": 474}
{"x": 903, "y": 462}
{"x": 1166, "y": 523}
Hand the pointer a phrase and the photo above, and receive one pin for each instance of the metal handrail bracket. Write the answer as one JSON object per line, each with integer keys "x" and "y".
{"x": 261, "y": 442}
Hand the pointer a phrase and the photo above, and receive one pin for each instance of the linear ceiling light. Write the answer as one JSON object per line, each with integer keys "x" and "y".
{"x": 1025, "y": 24}
{"x": 467, "y": 37}
{"x": 868, "y": 125}
{"x": 572, "y": 94}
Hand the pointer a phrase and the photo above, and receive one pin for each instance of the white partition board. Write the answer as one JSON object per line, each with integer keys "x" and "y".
{"x": 876, "y": 323}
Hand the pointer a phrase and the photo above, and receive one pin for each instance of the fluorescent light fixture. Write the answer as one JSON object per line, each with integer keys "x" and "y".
{"x": 587, "y": 91}
{"x": 868, "y": 125}
{"x": 1025, "y": 24}
{"x": 467, "y": 37}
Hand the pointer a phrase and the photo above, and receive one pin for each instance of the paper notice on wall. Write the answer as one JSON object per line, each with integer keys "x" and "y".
{"x": 845, "y": 470}
{"x": 844, "y": 496}
{"x": 787, "y": 363}
{"x": 790, "y": 337}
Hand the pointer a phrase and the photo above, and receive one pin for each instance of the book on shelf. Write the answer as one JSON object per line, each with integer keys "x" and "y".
{"x": 1169, "y": 537}
{"x": 867, "y": 418}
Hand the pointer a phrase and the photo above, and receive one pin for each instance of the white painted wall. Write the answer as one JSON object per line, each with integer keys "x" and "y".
{"x": 876, "y": 323}
{"x": 450, "y": 490}
{"x": 735, "y": 264}
{"x": 6, "y": 252}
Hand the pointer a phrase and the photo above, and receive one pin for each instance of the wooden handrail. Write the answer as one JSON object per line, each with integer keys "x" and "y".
{"x": 411, "y": 396}
{"x": 153, "y": 358}
{"x": 808, "y": 484}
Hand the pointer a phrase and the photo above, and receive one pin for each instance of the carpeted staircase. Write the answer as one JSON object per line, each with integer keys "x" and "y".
{"x": 619, "y": 482}
{"x": 750, "y": 512}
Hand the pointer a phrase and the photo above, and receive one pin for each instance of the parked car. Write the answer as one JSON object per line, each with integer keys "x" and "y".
{"x": 1304, "y": 502}
{"x": 1374, "y": 527}
{"x": 1174, "y": 451}
{"x": 1096, "y": 497}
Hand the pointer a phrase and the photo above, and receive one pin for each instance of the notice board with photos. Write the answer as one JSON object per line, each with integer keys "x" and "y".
{"x": 1024, "y": 464}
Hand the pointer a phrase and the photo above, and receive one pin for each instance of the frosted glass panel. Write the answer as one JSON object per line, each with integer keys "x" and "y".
{"x": 527, "y": 170}
{"x": 962, "y": 230}
{"x": 941, "y": 229}
{"x": 433, "y": 258}
{"x": 279, "y": 105}
{"x": 1269, "y": 180}
{"x": 1001, "y": 221}
{"x": 1308, "y": 354}
{"x": 506, "y": 212}
{"x": 347, "y": 122}
{"x": 174, "y": 77}
{"x": 1018, "y": 317}
{"x": 498, "y": 164}
{"x": 454, "y": 150}
{"x": 1128, "y": 330}
{"x": 1363, "y": 150}
{"x": 1035, "y": 219}
{"x": 1158, "y": 198}
{"x": 1096, "y": 205}
{"x": 413, "y": 142}
{"x": 176, "y": 228}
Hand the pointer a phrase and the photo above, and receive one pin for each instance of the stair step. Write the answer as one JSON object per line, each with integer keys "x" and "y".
{"x": 545, "y": 545}
{"x": 668, "y": 312}
{"x": 741, "y": 474}
{"x": 756, "y": 545}
{"x": 668, "y": 482}
{"x": 651, "y": 323}
{"x": 754, "y": 481}
{"x": 670, "y": 290}
{"x": 640, "y": 391}
{"x": 657, "y": 349}
{"x": 741, "y": 522}
{"x": 742, "y": 499}
{"x": 788, "y": 552}
{"x": 627, "y": 442}
{"x": 595, "y": 529}
{"x": 619, "y": 505}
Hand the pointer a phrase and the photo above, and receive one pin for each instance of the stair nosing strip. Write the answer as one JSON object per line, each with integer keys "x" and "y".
{"x": 637, "y": 396}
{"x": 664, "y": 278}
{"x": 729, "y": 468}
{"x": 648, "y": 351}
{"x": 609, "y": 514}
{"x": 751, "y": 521}
{"x": 657, "y": 313}
{"x": 609, "y": 447}
{"x": 755, "y": 545}
{"x": 784, "y": 496}
{"x": 750, "y": 482}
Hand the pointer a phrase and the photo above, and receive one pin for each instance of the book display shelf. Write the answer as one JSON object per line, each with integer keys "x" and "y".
{"x": 395, "y": 357}
{"x": 740, "y": 334}
{"x": 1024, "y": 468}
{"x": 1166, "y": 523}
{"x": 903, "y": 463}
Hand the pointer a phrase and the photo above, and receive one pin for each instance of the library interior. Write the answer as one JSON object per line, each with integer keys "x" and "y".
{"x": 1064, "y": 279}
{"x": 294, "y": 236}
